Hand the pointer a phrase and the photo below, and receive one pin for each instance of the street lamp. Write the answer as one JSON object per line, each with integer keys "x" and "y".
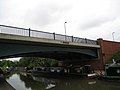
{"x": 65, "y": 30}
{"x": 113, "y": 35}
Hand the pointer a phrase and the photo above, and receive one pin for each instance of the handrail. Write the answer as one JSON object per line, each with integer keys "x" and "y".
{"x": 41, "y": 34}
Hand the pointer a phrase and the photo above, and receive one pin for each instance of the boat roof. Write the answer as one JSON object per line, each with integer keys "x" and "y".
{"x": 114, "y": 65}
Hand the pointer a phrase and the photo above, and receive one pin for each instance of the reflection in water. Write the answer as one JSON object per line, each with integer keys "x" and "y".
{"x": 50, "y": 86}
{"x": 28, "y": 82}
{"x": 16, "y": 82}
{"x": 92, "y": 82}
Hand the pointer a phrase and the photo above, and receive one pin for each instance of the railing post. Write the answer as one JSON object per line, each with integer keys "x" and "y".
{"x": 29, "y": 32}
{"x": 85, "y": 40}
{"x": 72, "y": 38}
{"x": 54, "y": 36}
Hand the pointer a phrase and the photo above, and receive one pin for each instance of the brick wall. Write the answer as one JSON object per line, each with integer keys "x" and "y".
{"x": 108, "y": 48}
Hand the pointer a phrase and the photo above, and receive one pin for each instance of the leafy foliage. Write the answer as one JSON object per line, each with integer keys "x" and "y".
{"x": 29, "y": 62}
{"x": 36, "y": 62}
{"x": 116, "y": 57}
{"x": 6, "y": 63}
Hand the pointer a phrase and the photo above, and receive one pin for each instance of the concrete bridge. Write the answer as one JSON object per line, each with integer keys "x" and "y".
{"x": 18, "y": 42}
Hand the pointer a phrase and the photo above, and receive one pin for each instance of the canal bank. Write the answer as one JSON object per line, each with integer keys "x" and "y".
{"x": 4, "y": 85}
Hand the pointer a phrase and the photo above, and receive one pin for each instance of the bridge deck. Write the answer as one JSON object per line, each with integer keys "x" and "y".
{"x": 22, "y": 34}
{"x": 25, "y": 39}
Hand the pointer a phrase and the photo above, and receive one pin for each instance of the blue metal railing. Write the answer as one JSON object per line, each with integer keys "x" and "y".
{"x": 40, "y": 34}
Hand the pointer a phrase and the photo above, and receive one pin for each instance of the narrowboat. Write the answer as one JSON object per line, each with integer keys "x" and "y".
{"x": 84, "y": 71}
{"x": 112, "y": 71}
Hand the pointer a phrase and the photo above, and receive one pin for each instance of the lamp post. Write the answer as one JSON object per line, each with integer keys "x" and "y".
{"x": 65, "y": 30}
{"x": 113, "y": 35}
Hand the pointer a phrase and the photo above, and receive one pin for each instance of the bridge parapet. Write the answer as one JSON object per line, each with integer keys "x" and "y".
{"x": 40, "y": 34}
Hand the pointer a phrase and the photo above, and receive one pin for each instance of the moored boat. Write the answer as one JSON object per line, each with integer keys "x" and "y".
{"x": 84, "y": 71}
{"x": 112, "y": 72}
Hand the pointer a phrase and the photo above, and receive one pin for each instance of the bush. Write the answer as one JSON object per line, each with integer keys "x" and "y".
{"x": 116, "y": 57}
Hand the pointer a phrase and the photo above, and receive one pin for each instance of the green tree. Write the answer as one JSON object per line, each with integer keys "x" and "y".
{"x": 36, "y": 62}
{"x": 6, "y": 63}
{"x": 116, "y": 57}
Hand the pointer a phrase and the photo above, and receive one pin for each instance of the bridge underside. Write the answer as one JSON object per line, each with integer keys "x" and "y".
{"x": 10, "y": 49}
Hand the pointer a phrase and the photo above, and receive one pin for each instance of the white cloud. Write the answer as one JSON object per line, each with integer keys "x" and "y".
{"x": 86, "y": 18}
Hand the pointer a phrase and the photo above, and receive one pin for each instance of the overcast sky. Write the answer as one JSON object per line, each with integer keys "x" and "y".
{"x": 91, "y": 19}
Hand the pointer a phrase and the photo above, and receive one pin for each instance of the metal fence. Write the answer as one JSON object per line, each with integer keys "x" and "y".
{"x": 40, "y": 34}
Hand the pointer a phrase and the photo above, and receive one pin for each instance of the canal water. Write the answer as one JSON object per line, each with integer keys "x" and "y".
{"x": 23, "y": 81}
